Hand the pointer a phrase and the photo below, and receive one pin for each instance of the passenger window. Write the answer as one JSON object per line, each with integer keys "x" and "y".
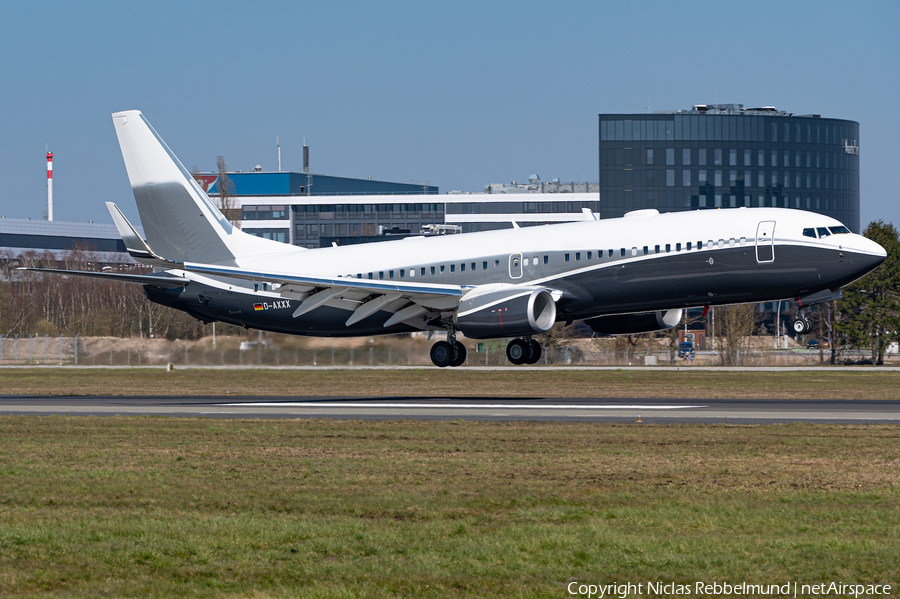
{"x": 432, "y": 270}
{"x": 709, "y": 244}
{"x": 452, "y": 268}
{"x": 677, "y": 247}
{"x": 381, "y": 274}
{"x": 402, "y": 272}
{"x": 546, "y": 259}
{"x": 589, "y": 255}
{"x": 370, "y": 275}
{"x": 422, "y": 271}
{"x": 442, "y": 268}
{"x": 743, "y": 241}
{"x": 474, "y": 266}
{"x": 646, "y": 250}
{"x": 688, "y": 245}
{"x": 721, "y": 243}
{"x": 534, "y": 261}
{"x": 731, "y": 242}
{"x": 668, "y": 247}
{"x": 578, "y": 255}
{"x": 838, "y": 230}
{"x": 610, "y": 255}
{"x": 391, "y": 274}
{"x": 496, "y": 264}
{"x": 699, "y": 245}
{"x": 634, "y": 251}
{"x": 525, "y": 261}
{"x": 823, "y": 232}
{"x": 484, "y": 265}
{"x": 462, "y": 267}
{"x": 809, "y": 232}
{"x": 567, "y": 257}
{"x": 656, "y": 249}
{"x": 359, "y": 275}
{"x": 412, "y": 272}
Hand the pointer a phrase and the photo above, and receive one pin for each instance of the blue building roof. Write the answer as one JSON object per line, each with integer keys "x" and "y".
{"x": 297, "y": 184}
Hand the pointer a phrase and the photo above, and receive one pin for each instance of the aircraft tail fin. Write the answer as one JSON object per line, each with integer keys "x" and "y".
{"x": 180, "y": 221}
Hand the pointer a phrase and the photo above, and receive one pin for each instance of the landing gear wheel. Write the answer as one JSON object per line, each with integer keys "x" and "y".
{"x": 460, "y": 354}
{"x": 442, "y": 354}
{"x": 518, "y": 351}
{"x": 801, "y": 326}
{"x": 536, "y": 352}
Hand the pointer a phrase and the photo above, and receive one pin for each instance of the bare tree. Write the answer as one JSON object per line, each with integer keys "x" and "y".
{"x": 227, "y": 203}
{"x": 736, "y": 324}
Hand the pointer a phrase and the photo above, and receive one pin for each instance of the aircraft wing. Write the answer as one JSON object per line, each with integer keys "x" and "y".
{"x": 157, "y": 280}
{"x": 406, "y": 300}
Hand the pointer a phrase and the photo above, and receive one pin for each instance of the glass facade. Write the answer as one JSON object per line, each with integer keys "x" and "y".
{"x": 313, "y": 221}
{"x": 728, "y": 157}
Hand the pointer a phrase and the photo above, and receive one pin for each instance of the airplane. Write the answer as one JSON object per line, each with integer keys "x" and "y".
{"x": 626, "y": 275}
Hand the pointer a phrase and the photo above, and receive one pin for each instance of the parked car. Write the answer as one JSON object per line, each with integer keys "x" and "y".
{"x": 685, "y": 349}
{"x": 814, "y": 344}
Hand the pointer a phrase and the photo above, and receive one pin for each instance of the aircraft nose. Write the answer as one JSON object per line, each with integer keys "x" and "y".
{"x": 869, "y": 254}
{"x": 877, "y": 249}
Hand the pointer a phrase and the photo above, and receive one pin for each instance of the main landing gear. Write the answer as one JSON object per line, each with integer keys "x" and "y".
{"x": 448, "y": 353}
{"x": 523, "y": 351}
{"x": 453, "y": 353}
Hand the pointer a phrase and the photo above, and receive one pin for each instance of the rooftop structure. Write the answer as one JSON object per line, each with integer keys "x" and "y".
{"x": 535, "y": 185}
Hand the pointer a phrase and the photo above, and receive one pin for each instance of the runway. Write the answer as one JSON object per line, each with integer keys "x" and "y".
{"x": 734, "y": 411}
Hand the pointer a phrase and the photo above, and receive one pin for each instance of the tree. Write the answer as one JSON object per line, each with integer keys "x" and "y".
{"x": 736, "y": 324}
{"x": 227, "y": 203}
{"x": 869, "y": 313}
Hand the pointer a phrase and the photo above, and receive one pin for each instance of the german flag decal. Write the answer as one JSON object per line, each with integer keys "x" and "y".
{"x": 257, "y": 307}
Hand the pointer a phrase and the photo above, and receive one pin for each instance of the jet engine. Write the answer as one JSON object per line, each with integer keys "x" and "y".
{"x": 506, "y": 312}
{"x": 642, "y": 322}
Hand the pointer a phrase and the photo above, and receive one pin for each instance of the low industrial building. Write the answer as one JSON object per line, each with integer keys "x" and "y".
{"x": 21, "y": 238}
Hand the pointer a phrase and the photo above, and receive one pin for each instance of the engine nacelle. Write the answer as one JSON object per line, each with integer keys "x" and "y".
{"x": 506, "y": 312}
{"x": 642, "y": 322}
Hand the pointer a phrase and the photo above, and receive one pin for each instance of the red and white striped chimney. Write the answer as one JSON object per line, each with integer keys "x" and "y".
{"x": 49, "y": 185}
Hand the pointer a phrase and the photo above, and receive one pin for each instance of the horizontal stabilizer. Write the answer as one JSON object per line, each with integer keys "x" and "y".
{"x": 162, "y": 281}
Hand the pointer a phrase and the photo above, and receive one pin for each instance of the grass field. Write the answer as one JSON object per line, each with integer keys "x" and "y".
{"x": 862, "y": 384}
{"x": 129, "y": 507}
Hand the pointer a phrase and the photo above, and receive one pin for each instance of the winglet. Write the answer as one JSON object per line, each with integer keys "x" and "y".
{"x": 137, "y": 247}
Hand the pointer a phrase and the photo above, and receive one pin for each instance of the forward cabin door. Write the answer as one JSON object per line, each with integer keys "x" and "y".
{"x": 765, "y": 241}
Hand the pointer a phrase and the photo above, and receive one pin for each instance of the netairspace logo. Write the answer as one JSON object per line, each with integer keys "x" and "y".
{"x": 721, "y": 589}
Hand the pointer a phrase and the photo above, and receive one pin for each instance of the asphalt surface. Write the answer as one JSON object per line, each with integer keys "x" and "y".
{"x": 735, "y": 411}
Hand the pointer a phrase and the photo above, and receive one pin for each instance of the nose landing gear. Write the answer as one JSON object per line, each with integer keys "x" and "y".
{"x": 523, "y": 351}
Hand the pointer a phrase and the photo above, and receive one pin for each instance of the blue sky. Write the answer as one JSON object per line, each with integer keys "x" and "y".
{"x": 460, "y": 94}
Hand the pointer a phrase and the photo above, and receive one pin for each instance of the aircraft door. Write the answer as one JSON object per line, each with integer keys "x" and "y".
{"x": 515, "y": 266}
{"x": 765, "y": 241}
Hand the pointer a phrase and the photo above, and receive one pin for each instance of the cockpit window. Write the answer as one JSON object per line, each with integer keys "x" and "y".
{"x": 809, "y": 233}
{"x": 838, "y": 230}
{"x": 823, "y": 232}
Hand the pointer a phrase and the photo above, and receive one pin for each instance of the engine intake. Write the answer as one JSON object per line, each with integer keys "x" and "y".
{"x": 506, "y": 312}
{"x": 642, "y": 322}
